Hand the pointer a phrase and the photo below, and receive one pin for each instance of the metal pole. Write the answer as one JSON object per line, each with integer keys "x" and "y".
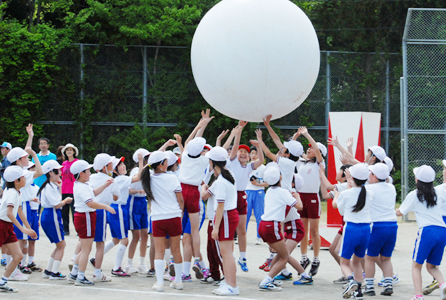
{"x": 387, "y": 103}
{"x": 328, "y": 100}
{"x": 144, "y": 87}
{"x": 82, "y": 99}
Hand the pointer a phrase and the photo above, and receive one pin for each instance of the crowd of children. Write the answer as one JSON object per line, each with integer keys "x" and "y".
{"x": 162, "y": 200}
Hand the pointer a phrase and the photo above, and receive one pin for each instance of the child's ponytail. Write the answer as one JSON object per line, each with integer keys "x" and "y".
{"x": 145, "y": 181}
{"x": 362, "y": 195}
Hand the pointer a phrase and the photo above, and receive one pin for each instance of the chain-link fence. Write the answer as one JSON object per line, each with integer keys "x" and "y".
{"x": 423, "y": 96}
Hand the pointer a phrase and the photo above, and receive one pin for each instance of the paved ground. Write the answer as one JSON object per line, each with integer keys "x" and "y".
{"x": 139, "y": 287}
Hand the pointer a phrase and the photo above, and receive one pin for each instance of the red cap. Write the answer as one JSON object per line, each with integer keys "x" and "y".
{"x": 243, "y": 146}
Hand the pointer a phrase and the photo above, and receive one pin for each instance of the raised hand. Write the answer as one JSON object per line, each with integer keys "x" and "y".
{"x": 242, "y": 123}
{"x": 30, "y": 151}
{"x": 29, "y": 129}
{"x": 349, "y": 142}
{"x": 205, "y": 115}
{"x": 343, "y": 159}
{"x": 177, "y": 138}
{"x": 333, "y": 141}
{"x": 222, "y": 134}
{"x": 255, "y": 143}
{"x": 267, "y": 120}
{"x": 259, "y": 134}
{"x": 302, "y": 130}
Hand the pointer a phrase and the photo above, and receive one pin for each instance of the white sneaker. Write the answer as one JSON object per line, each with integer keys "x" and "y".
{"x": 130, "y": 269}
{"x": 18, "y": 276}
{"x": 177, "y": 286}
{"x": 227, "y": 290}
{"x": 101, "y": 278}
{"x": 259, "y": 241}
{"x": 158, "y": 288}
{"x": 221, "y": 287}
{"x": 142, "y": 269}
{"x": 71, "y": 264}
{"x": 167, "y": 277}
{"x": 443, "y": 291}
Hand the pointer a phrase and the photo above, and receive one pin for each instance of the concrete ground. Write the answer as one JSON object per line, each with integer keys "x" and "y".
{"x": 139, "y": 286}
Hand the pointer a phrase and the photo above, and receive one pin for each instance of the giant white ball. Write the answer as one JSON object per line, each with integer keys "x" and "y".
{"x": 251, "y": 58}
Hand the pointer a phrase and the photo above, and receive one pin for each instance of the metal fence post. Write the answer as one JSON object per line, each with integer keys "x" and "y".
{"x": 82, "y": 98}
{"x": 387, "y": 104}
{"x": 144, "y": 87}
{"x": 328, "y": 93}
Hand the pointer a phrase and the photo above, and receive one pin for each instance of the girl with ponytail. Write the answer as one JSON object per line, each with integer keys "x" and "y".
{"x": 354, "y": 205}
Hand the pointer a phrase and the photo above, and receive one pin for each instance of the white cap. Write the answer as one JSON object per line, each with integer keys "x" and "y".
{"x": 79, "y": 166}
{"x": 272, "y": 165}
{"x": 217, "y": 154}
{"x": 171, "y": 158}
{"x": 195, "y": 146}
{"x": 69, "y": 145}
{"x": 389, "y": 163}
{"x": 380, "y": 170}
{"x": 379, "y": 152}
{"x": 30, "y": 165}
{"x": 156, "y": 156}
{"x": 208, "y": 146}
{"x": 294, "y": 147}
{"x": 322, "y": 148}
{"x": 6, "y": 145}
{"x": 298, "y": 181}
{"x": 444, "y": 162}
{"x": 271, "y": 175}
{"x": 176, "y": 150}
{"x": 424, "y": 173}
{"x": 14, "y": 172}
{"x": 101, "y": 160}
{"x": 50, "y": 165}
{"x": 116, "y": 161}
{"x": 143, "y": 151}
{"x": 15, "y": 154}
{"x": 360, "y": 171}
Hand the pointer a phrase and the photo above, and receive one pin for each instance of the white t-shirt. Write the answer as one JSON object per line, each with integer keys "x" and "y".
{"x": 276, "y": 200}
{"x": 286, "y": 167}
{"x": 224, "y": 191}
{"x": 34, "y": 190}
{"x": 106, "y": 197}
{"x": 27, "y": 190}
{"x": 82, "y": 194}
{"x": 241, "y": 173}
{"x": 258, "y": 173}
{"x": 382, "y": 208}
{"x": 11, "y": 197}
{"x": 440, "y": 190}
{"x": 50, "y": 196}
{"x": 136, "y": 185}
{"x": 310, "y": 173}
{"x": 123, "y": 182}
{"x": 432, "y": 216}
{"x": 340, "y": 187}
{"x": 192, "y": 169}
{"x": 164, "y": 188}
{"x": 347, "y": 201}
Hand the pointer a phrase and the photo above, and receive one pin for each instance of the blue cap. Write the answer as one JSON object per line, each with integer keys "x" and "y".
{"x": 6, "y": 145}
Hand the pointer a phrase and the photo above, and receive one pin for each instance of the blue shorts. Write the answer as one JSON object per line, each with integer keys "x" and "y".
{"x": 119, "y": 222}
{"x": 101, "y": 225}
{"x": 34, "y": 223}
{"x": 186, "y": 220}
{"x": 444, "y": 219}
{"x": 382, "y": 239}
{"x": 355, "y": 240}
{"x": 429, "y": 245}
{"x": 150, "y": 225}
{"x": 52, "y": 224}
{"x": 138, "y": 217}
{"x": 26, "y": 208}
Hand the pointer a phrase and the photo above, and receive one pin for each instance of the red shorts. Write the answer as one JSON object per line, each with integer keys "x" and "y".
{"x": 191, "y": 197}
{"x": 270, "y": 231}
{"x": 311, "y": 206}
{"x": 228, "y": 225}
{"x": 242, "y": 203}
{"x": 85, "y": 224}
{"x": 342, "y": 228}
{"x": 7, "y": 235}
{"x": 171, "y": 227}
{"x": 294, "y": 230}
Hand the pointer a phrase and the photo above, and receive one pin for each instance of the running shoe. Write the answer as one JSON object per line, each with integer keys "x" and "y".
{"x": 431, "y": 287}
{"x": 304, "y": 281}
{"x": 314, "y": 268}
{"x": 151, "y": 272}
{"x": 101, "y": 278}
{"x": 120, "y": 272}
{"x": 305, "y": 262}
{"x": 352, "y": 286}
{"x": 227, "y": 290}
{"x": 172, "y": 268}
{"x": 269, "y": 287}
{"x": 185, "y": 278}
{"x": 369, "y": 291}
{"x": 3, "y": 262}
{"x": 176, "y": 285}
{"x": 341, "y": 280}
{"x": 258, "y": 241}
{"x": 33, "y": 267}
{"x": 197, "y": 269}
{"x": 265, "y": 264}
{"x": 6, "y": 288}
{"x": 83, "y": 282}
{"x": 358, "y": 294}
{"x": 25, "y": 269}
{"x": 57, "y": 276}
{"x": 206, "y": 272}
{"x": 158, "y": 287}
{"x": 46, "y": 274}
{"x": 17, "y": 276}
{"x": 395, "y": 280}
{"x": 443, "y": 291}
{"x": 71, "y": 278}
{"x": 130, "y": 269}
{"x": 243, "y": 265}
{"x": 142, "y": 269}
{"x": 284, "y": 277}
{"x": 387, "y": 290}
{"x": 267, "y": 268}
{"x": 417, "y": 298}
{"x": 207, "y": 280}
{"x": 219, "y": 282}
{"x": 93, "y": 262}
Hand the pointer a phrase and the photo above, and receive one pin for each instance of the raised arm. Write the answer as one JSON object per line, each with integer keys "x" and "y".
{"x": 335, "y": 143}
{"x": 29, "y": 130}
{"x": 350, "y": 145}
{"x": 271, "y": 132}
{"x": 101, "y": 188}
{"x": 178, "y": 139}
{"x": 167, "y": 144}
{"x": 231, "y": 137}
{"x": 238, "y": 135}
{"x": 39, "y": 170}
{"x": 220, "y": 137}
{"x": 265, "y": 149}
{"x": 261, "y": 158}
{"x": 324, "y": 180}
{"x": 207, "y": 119}
{"x": 141, "y": 166}
{"x": 194, "y": 132}
{"x": 303, "y": 131}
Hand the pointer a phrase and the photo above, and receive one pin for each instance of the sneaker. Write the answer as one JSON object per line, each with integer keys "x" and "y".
{"x": 158, "y": 287}
{"x": 167, "y": 277}
{"x": 172, "y": 268}
{"x": 243, "y": 265}
{"x": 387, "y": 290}
{"x": 185, "y": 278}
{"x": 265, "y": 264}
{"x": 277, "y": 282}
{"x": 236, "y": 241}
{"x": 314, "y": 268}
{"x": 71, "y": 264}
{"x": 305, "y": 262}
{"x": 431, "y": 287}
{"x": 443, "y": 292}
{"x": 151, "y": 272}
{"x": 46, "y": 274}
{"x": 267, "y": 268}
{"x": 142, "y": 269}
{"x": 66, "y": 233}
{"x": 93, "y": 262}
{"x": 33, "y": 267}
{"x": 227, "y": 290}
{"x": 83, "y": 282}
{"x": 57, "y": 276}
{"x": 395, "y": 280}
{"x": 207, "y": 280}
{"x": 219, "y": 282}
{"x": 417, "y": 298}
{"x": 25, "y": 270}
{"x": 219, "y": 288}
{"x": 358, "y": 294}
{"x": 3, "y": 262}
{"x": 284, "y": 277}
{"x": 270, "y": 287}
{"x": 259, "y": 241}
{"x": 304, "y": 281}
{"x": 6, "y": 288}
{"x": 17, "y": 276}
{"x": 350, "y": 289}
{"x": 197, "y": 269}
{"x": 101, "y": 278}
{"x": 71, "y": 278}
{"x": 369, "y": 291}
{"x": 176, "y": 285}
{"x": 341, "y": 280}
{"x": 206, "y": 272}
{"x": 130, "y": 269}
{"x": 120, "y": 272}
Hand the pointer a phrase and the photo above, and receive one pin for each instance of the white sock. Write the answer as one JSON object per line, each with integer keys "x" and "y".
{"x": 159, "y": 268}
{"x": 49, "y": 266}
{"x": 285, "y": 272}
{"x": 167, "y": 256}
{"x": 75, "y": 270}
{"x": 30, "y": 259}
{"x": 3, "y": 280}
{"x": 8, "y": 259}
{"x": 80, "y": 275}
{"x": 305, "y": 274}
{"x": 142, "y": 260}
{"x": 304, "y": 256}
{"x": 108, "y": 246}
{"x": 178, "y": 268}
{"x": 266, "y": 280}
{"x": 3, "y": 255}
{"x": 315, "y": 259}
{"x": 130, "y": 261}
{"x": 242, "y": 255}
{"x": 97, "y": 272}
{"x": 56, "y": 265}
{"x": 119, "y": 256}
{"x": 24, "y": 259}
{"x": 203, "y": 265}
{"x": 186, "y": 268}
{"x": 74, "y": 256}
{"x": 271, "y": 255}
